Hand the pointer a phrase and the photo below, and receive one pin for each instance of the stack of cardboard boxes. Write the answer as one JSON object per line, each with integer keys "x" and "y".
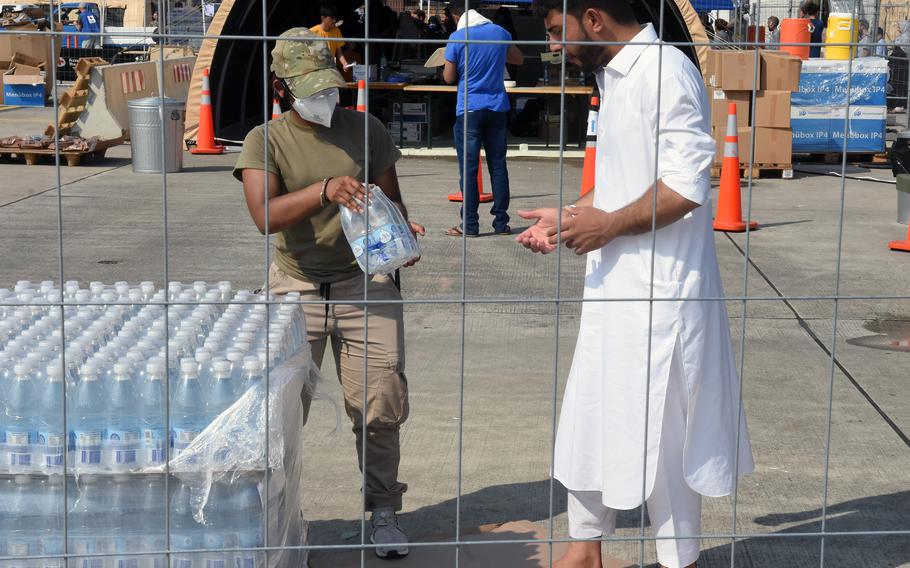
{"x": 24, "y": 63}
{"x": 410, "y": 126}
{"x": 732, "y": 77}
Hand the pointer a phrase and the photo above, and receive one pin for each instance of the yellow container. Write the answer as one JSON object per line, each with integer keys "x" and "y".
{"x": 842, "y": 28}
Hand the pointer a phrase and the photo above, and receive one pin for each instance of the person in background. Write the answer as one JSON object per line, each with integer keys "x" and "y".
{"x": 316, "y": 165}
{"x": 772, "y": 37}
{"x": 90, "y": 24}
{"x": 706, "y": 23}
{"x": 503, "y": 18}
{"x": 721, "y": 33}
{"x": 809, "y": 9}
{"x": 881, "y": 48}
{"x": 482, "y": 112}
{"x": 327, "y": 28}
{"x": 865, "y": 47}
{"x": 449, "y": 25}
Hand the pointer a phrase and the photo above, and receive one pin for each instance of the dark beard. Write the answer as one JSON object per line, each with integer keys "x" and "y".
{"x": 590, "y": 57}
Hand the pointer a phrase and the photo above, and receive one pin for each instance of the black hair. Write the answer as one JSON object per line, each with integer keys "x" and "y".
{"x": 809, "y": 8}
{"x": 327, "y": 11}
{"x": 458, "y": 7}
{"x": 619, "y": 10}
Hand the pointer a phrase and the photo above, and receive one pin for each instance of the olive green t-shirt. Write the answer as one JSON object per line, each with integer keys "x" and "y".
{"x": 315, "y": 249}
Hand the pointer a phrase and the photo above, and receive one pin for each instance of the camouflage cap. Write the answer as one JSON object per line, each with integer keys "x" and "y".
{"x": 305, "y": 63}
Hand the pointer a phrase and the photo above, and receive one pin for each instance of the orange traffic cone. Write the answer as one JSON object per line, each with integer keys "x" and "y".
{"x": 729, "y": 202}
{"x": 205, "y": 140}
{"x": 902, "y": 245}
{"x": 587, "y": 172}
{"x": 361, "y": 96}
{"x": 276, "y": 109}
{"x": 484, "y": 197}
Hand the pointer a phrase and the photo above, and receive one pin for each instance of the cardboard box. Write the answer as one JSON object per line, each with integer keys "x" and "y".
{"x": 412, "y": 131}
{"x": 826, "y": 82}
{"x": 772, "y": 145}
{"x": 720, "y": 101}
{"x": 413, "y": 112}
{"x": 737, "y": 71}
{"x": 24, "y": 85}
{"x": 713, "y": 74}
{"x": 772, "y": 109}
{"x": 360, "y": 72}
{"x": 779, "y": 71}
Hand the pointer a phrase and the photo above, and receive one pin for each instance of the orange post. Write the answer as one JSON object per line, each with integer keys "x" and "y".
{"x": 205, "y": 140}
{"x": 729, "y": 202}
{"x": 484, "y": 197}
{"x": 902, "y": 245}
{"x": 587, "y": 172}
{"x": 361, "y": 96}
{"x": 276, "y": 109}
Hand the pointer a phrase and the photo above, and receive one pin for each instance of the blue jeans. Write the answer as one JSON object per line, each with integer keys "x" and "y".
{"x": 486, "y": 128}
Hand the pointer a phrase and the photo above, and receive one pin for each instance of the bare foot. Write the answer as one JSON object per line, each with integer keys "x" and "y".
{"x": 581, "y": 555}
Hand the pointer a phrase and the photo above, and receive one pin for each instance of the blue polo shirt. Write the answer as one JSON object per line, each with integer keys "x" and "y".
{"x": 486, "y": 68}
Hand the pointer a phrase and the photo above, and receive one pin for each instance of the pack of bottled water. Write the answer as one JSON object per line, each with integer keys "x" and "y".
{"x": 388, "y": 244}
{"x": 154, "y": 401}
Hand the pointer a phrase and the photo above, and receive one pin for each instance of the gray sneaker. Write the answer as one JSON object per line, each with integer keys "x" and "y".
{"x": 387, "y": 533}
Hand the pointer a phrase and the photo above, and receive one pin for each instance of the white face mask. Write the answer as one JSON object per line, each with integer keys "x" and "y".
{"x": 318, "y": 108}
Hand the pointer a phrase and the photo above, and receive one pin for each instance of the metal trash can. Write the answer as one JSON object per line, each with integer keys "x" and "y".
{"x": 146, "y": 131}
{"x": 903, "y": 198}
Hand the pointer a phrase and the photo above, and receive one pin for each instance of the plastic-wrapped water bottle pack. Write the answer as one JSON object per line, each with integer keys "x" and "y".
{"x": 133, "y": 389}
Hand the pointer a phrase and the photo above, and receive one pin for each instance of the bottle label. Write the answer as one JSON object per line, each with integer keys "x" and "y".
{"x": 181, "y": 438}
{"x": 52, "y": 442}
{"x": 245, "y": 560}
{"x": 215, "y": 562}
{"x": 178, "y": 562}
{"x": 122, "y": 444}
{"x": 16, "y": 547}
{"x": 51, "y": 545}
{"x": 17, "y": 443}
{"x": 88, "y": 446}
{"x": 153, "y": 440}
{"x": 128, "y": 563}
{"x": 378, "y": 240}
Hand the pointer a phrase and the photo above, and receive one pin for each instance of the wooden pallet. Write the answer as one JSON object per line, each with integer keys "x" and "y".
{"x": 33, "y": 156}
{"x": 73, "y": 101}
{"x": 759, "y": 171}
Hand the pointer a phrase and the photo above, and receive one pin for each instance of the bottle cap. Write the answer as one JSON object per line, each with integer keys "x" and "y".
{"x": 21, "y": 369}
{"x": 222, "y": 367}
{"x": 121, "y": 368}
{"x": 252, "y": 363}
{"x": 188, "y": 365}
{"x": 154, "y": 366}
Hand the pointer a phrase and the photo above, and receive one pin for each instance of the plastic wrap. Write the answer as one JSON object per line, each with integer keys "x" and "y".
{"x": 825, "y": 82}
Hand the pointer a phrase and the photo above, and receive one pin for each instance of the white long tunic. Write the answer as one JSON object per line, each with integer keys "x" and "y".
{"x": 602, "y": 442}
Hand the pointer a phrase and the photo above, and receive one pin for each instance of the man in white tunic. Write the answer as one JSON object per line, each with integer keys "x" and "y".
{"x": 651, "y": 411}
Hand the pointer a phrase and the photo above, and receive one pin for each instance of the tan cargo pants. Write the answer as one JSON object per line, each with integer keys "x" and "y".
{"x": 387, "y": 387}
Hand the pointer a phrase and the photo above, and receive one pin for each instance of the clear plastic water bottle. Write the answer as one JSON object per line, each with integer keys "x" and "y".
{"x": 204, "y": 359}
{"x": 188, "y": 410}
{"x": 224, "y": 389}
{"x": 123, "y": 427}
{"x": 50, "y": 506}
{"x": 9, "y": 517}
{"x": 390, "y": 242}
{"x": 247, "y": 519}
{"x": 186, "y": 534}
{"x": 252, "y": 374}
{"x": 152, "y": 503}
{"x": 86, "y": 522}
{"x": 22, "y": 538}
{"x": 20, "y": 428}
{"x": 219, "y": 532}
{"x": 88, "y": 420}
{"x": 49, "y": 446}
{"x": 152, "y": 414}
{"x": 125, "y": 522}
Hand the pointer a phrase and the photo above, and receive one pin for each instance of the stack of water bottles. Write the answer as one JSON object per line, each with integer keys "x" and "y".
{"x": 160, "y": 404}
{"x": 389, "y": 244}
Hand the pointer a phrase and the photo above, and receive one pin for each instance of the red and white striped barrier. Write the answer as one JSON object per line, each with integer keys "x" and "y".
{"x": 132, "y": 81}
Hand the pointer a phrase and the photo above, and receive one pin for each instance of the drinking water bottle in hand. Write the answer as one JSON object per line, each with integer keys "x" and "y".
{"x": 390, "y": 242}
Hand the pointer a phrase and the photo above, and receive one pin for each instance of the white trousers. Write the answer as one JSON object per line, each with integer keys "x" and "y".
{"x": 673, "y": 507}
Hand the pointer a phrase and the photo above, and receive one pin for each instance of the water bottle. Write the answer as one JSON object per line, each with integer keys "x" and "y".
{"x": 390, "y": 243}
{"x": 152, "y": 414}
{"x": 252, "y": 373}
{"x": 152, "y": 503}
{"x": 88, "y": 420}
{"x": 247, "y": 519}
{"x": 224, "y": 389}
{"x": 204, "y": 359}
{"x": 219, "y": 524}
{"x": 186, "y": 533}
{"x": 86, "y": 520}
{"x": 22, "y": 535}
{"x": 122, "y": 439}
{"x": 125, "y": 522}
{"x": 50, "y": 441}
{"x": 50, "y": 506}
{"x": 188, "y": 410}
{"x": 20, "y": 429}
{"x": 9, "y": 517}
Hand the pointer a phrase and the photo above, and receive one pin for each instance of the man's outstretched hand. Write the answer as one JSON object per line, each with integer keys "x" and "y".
{"x": 537, "y": 236}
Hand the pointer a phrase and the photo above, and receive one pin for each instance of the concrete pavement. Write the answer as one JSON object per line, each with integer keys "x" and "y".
{"x": 514, "y": 361}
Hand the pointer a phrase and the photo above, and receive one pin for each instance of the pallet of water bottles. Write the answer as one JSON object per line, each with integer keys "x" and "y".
{"x": 122, "y": 390}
